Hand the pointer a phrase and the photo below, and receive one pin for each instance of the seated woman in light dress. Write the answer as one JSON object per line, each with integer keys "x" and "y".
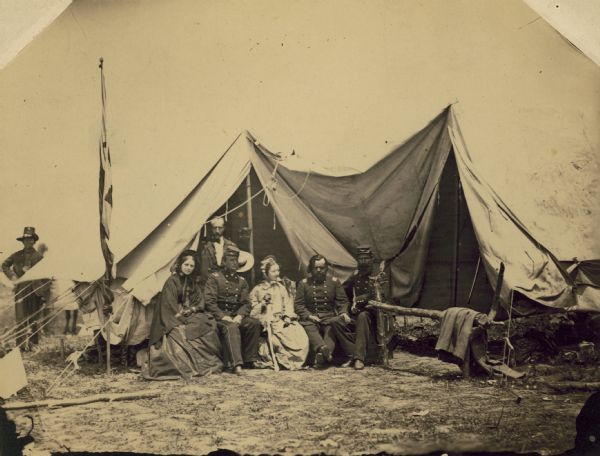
{"x": 183, "y": 336}
{"x": 272, "y": 302}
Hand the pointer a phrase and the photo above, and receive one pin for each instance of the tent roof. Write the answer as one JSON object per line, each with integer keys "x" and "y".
{"x": 180, "y": 89}
{"x": 390, "y": 207}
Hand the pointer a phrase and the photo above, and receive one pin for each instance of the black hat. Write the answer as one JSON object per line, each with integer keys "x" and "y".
{"x": 28, "y": 233}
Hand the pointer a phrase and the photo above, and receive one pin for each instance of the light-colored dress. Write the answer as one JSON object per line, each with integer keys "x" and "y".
{"x": 270, "y": 304}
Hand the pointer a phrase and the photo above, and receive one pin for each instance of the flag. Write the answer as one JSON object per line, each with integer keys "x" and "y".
{"x": 105, "y": 189}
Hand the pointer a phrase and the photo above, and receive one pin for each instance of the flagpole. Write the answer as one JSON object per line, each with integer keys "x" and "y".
{"x": 103, "y": 152}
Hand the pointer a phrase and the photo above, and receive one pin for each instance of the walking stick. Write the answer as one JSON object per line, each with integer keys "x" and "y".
{"x": 271, "y": 349}
{"x": 267, "y": 314}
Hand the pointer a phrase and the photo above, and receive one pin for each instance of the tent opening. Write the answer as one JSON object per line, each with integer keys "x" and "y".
{"x": 268, "y": 235}
{"x": 453, "y": 252}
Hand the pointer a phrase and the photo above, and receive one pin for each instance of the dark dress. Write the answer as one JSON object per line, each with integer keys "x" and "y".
{"x": 182, "y": 346}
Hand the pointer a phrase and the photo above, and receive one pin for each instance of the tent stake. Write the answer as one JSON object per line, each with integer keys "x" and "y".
{"x": 250, "y": 224}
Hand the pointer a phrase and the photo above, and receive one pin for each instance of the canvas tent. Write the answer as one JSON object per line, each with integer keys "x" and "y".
{"x": 392, "y": 207}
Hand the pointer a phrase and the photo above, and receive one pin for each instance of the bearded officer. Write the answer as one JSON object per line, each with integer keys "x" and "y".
{"x": 226, "y": 297}
{"x": 322, "y": 307}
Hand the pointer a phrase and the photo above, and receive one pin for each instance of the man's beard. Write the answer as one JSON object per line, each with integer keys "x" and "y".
{"x": 319, "y": 276}
{"x": 364, "y": 269}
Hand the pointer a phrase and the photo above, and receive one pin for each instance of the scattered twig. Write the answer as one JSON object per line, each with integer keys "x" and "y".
{"x": 565, "y": 387}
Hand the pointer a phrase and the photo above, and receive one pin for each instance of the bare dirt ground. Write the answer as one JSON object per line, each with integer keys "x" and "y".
{"x": 417, "y": 406}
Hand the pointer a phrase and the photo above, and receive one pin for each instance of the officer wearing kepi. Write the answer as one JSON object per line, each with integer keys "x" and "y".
{"x": 322, "y": 307}
{"x": 360, "y": 289}
{"x": 226, "y": 297}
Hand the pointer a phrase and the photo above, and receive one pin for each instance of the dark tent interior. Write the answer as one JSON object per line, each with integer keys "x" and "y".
{"x": 452, "y": 258}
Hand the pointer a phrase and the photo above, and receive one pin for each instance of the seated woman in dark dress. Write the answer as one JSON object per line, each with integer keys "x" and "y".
{"x": 183, "y": 337}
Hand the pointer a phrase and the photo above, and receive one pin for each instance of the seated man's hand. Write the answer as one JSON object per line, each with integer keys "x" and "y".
{"x": 227, "y": 318}
{"x": 237, "y": 319}
{"x": 362, "y": 299}
{"x": 186, "y": 312}
{"x": 314, "y": 318}
{"x": 346, "y": 318}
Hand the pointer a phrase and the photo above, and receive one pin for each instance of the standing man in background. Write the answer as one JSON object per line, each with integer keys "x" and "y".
{"x": 27, "y": 301}
{"x": 211, "y": 255}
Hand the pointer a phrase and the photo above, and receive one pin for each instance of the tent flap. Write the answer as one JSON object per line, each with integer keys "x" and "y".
{"x": 148, "y": 265}
{"x": 530, "y": 268}
{"x": 387, "y": 207}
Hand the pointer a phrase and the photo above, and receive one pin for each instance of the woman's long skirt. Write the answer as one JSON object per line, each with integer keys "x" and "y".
{"x": 290, "y": 344}
{"x": 184, "y": 354}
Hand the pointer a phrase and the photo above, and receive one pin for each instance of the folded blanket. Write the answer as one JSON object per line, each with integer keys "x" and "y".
{"x": 455, "y": 331}
{"x": 460, "y": 343}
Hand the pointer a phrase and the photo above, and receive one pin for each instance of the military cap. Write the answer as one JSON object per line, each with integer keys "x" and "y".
{"x": 231, "y": 251}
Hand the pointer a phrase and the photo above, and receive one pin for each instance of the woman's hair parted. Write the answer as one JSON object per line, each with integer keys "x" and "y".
{"x": 183, "y": 256}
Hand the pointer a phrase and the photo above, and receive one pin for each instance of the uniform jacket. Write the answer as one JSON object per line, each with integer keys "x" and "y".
{"x": 17, "y": 264}
{"x": 325, "y": 299}
{"x": 358, "y": 287}
{"x": 208, "y": 259}
{"x": 226, "y": 294}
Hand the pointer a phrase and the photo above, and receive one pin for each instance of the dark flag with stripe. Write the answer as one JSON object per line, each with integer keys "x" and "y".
{"x": 105, "y": 189}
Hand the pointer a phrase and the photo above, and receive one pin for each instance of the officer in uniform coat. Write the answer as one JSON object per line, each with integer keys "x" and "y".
{"x": 27, "y": 301}
{"x": 322, "y": 307}
{"x": 359, "y": 289}
{"x": 226, "y": 297}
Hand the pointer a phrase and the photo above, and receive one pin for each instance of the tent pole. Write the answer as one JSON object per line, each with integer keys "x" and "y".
{"x": 250, "y": 224}
{"x": 108, "y": 280}
{"x": 456, "y": 243}
{"x": 108, "y": 348}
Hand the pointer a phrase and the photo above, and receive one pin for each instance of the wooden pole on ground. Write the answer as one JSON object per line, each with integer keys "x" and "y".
{"x": 80, "y": 400}
{"x": 399, "y": 310}
{"x": 423, "y": 313}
